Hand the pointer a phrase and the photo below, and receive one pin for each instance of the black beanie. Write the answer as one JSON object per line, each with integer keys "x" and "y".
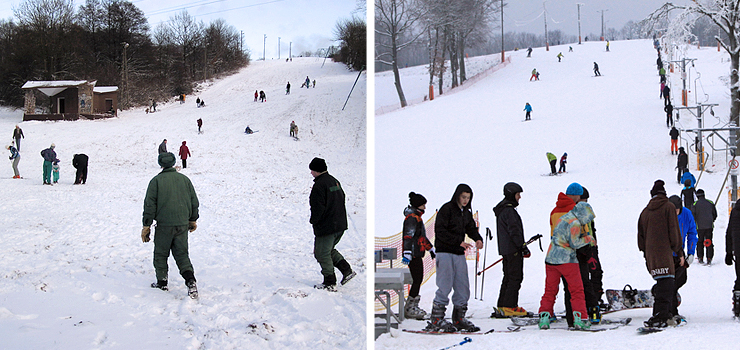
{"x": 676, "y": 200}
{"x": 658, "y": 188}
{"x": 416, "y": 200}
{"x": 585, "y": 194}
{"x": 700, "y": 193}
{"x": 318, "y": 165}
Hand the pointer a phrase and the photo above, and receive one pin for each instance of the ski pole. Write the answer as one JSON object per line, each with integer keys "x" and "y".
{"x": 531, "y": 240}
{"x": 477, "y": 258}
{"x": 465, "y": 340}
{"x": 485, "y": 253}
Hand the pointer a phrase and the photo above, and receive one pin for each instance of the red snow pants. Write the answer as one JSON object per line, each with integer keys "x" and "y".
{"x": 674, "y": 145}
{"x": 572, "y": 275}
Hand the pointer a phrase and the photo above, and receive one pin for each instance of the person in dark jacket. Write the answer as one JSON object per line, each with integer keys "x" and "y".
{"x": 674, "y": 140}
{"x": 200, "y": 124}
{"x": 683, "y": 163}
{"x": 171, "y": 201}
{"x": 79, "y": 161}
{"x": 50, "y": 157}
{"x": 163, "y": 147}
{"x": 688, "y": 193}
{"x": 287, "y": 89}
{"x": 667, "y": 94}
{"x": 658, "y": 237}
{"x": 184, "y": 154}
{"x": 704, "y": 213}
{"x": 732, "y": 249}
{"x": 329, "y": 221}
{"x": 596, "y": 70}
{"x": 17, "y": 135}
{"x": 593, "y": 274}
{"x": 454, "y": 222}
{"x": 415, "y": 244}
{"x": 668, "y": 115}
{"x": 510, "y": 237}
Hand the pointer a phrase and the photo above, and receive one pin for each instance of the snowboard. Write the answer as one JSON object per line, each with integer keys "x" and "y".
{"x": 629, "y": 298}
{"x": 649, "y": 330}
{"x": 551, "y": 174}
{"x": 510, "y": 329}
{"x": 498, "y": 314}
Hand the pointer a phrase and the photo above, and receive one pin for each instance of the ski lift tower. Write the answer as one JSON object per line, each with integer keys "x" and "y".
{"x": 684, "y": 62}
{"x": 698, "y": 145}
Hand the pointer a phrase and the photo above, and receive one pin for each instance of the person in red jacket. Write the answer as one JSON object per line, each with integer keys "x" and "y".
{"x": 184, "y": 154}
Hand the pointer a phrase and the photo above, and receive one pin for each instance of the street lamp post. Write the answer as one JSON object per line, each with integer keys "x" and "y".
{"x": 278, "y": 47}
{"x": 124, "y": 76}
{"x": 264, "y": 43}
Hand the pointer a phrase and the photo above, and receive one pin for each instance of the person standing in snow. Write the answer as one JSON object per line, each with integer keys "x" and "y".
{"x": 329, "y": 221}
{"x": 256, "y": 95}
{"x": 596, "y": 70}
{"x": 293, "y": 129}
{"x": 184, "y": 154}
{"x": 688, "y": 193}
{"x": 55, "y": 171}
{"x": 513, "y": 250}
{"x": 662, "y": 86}
{"x": 687, "y": 175}
{"x": 683, "y": 163}
{"x": 607, "y": 46}
{"x": 200, "y": 124}
{"x": 171, "y": 201}
{"x": 154, "y": 105}
{"x": 674, "y": 139}
{"x": 658, "y": 237}
{"x": 287, "y": 89}
{"x": 667, "y": 94}
{"x": 704, "y": 214}
{"x": 529, "y": 52}
{"x": 528, "y": 109}
{"x": 415, "y": 243}
{"x": 263, "y": 97}
{"x": 668, "y": 114}
{"x": 79, "y": 162}
{"x": 552, "y": 159}
{"x": 687, "y": 227}
{"x": 308, "y": 81}
{"x": 163, "y": 147}
{"x": 314, "y": 83}
{"x": 535, "y": 75}
{"x": 454, "y": 222}
{"x": 197, "y": 102}
{"x": 563, "y": 161}
{"x": 732, "y": 253}
{"x": 17, "y": 135}
{"x": 49, "y": 157}
{"x": 559, "y": 56}
{"x": 15, "y": 156}
{"x": 591, "y": 271}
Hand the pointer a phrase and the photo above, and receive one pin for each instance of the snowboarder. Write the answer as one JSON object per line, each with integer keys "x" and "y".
{"x": 256, "y": 95}
{"x": 570, "y": 48}
{"x": 658, "y": 237}
{"x": 687, "y": 227}
{"x": 688, "y": 193}
{"x": 79, "y": 162}
{"x": 529, "y": 52}
{"x": 667, "y": 94}
{"x": 184, "y": 154}
{"x": 535, "y": 75}
{"x": 552, "y": 159}
{"x": 263, "y": 97}
{"x": 454, "y": 222}
{"x": 15, "y": 156}
{"x": 293, "y": 129}
{"x": 607, "y": 46}
{"x": 248, "y": 131}
{"x": 17, "y": 135}
{"x": 674, "y": 140}
{"x": 563, "y": 161}
{"x": 49, "y": 157}
{"x": 329, "y": 221}
{"x": 561, "y": 262}
{"x": 683, "y": 163}
{"x": 200, "y": 124}
{"x": 513, "y": 250}
{"x": 591, "y": 272}
{"x": 287, "y": 89}
{"x": 528, "y": 109}
{"x": 668, "y": 114}
{"x": 415, "y": 243}
{"x": 732, "y": 249}
{"x": 596, "y": 70}
{"x": 171, "y": 201}
{"x": 55, "y": 171}
{"x": 308, "y": 81}
{"x": 163, "y": 147}
{"x": 704, "y": 214}
{"x": 559, "y": 56}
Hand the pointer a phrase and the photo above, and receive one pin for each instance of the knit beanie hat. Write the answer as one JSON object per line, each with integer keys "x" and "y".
{"x": 676, "y": 200}
{"x": 318, "y": 165}
{"x": 658, "y": 188}
{"x": 700, "y": 193}
{"x": 416, "y": 200}
{"x": 166, "y": 160}
{"x": 574, "y": 189}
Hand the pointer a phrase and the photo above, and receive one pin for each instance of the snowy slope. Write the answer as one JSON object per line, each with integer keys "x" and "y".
{"x": 75, "y": 273}
{"x": 613, "y": 129}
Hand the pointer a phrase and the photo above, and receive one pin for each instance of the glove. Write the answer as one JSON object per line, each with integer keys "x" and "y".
{"x": 145, "y": 234}
{"x": 689, "y": 259}
{"x": 728, "y": 259}
{"x": 192, "y": 225}
{"x": 525, "y": 252}
{"x": 432, "y": 253}
{"x": 407, "y": 257}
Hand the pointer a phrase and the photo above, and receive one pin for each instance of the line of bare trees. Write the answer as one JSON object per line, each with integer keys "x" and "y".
{"x": 51, "y": 40}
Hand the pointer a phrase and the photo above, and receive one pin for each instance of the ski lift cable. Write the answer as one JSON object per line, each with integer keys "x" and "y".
{"x": 521, "y": 23}
{"x": 219, "y": 11}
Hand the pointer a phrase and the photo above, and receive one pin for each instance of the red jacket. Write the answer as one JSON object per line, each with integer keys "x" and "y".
{"x": 184, "y": 151}
{"x": 562, "y": 206}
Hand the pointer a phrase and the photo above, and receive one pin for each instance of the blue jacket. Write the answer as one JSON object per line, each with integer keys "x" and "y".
{"x": 14, "y": 153}
{"x": 688, "y": 176}
{"x": 528, "y": 108}
{"x": 687, "y": 227}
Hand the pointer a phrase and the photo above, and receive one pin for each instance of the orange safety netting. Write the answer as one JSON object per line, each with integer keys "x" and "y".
{"x": 396, "y": 241}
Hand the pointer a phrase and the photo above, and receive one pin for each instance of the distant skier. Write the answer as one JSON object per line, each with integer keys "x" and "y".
{"x": 570, "y": 48}
{"x": 287, "y": 89}
{"x": 705, "y": 213}
{"x": 184, "y": 153}
{"x": 415, "y": 244}
{"x": 197, "y": 102}
{"x": 263, "y": 97}
{"x": 248, "y": 131}
{"x": 314, "y": 83}
{"x": 15, "y": 156}
{"x": 607, "y": 46}
{"x": 667, "y": 94}
{"x": 200, "y": 124}
{"x": 79, "y": 162}
{"x": 256, "y": 95}
{"x": 674, "y": 133}
{"x": 163, "y": 147}
{"x": 682, "y": 164}
{"x": 17, "y": 135}
{"x": 308, "y": 81}
{"x": 535, "y": 75}
{"x": 661, "y": 72}
{"x": 154, "y": 106}
{"x": 563, "y": 161}
{"x": 596, "y": 70}
{"x": 293, "y": 129}
{"x": 528, "y": 109}
{"x": 559, "y": 56}
{"x": 529, "y": 52}
{"x": 202, "y": 103}
{"x": 668, "y": 114}
{"x": 552, "y": 159}
{"x": 659, "y": 62}
{"x": 662, "y": 86}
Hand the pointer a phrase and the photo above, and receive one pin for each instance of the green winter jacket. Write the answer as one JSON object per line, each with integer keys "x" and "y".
{"x": 170, "y": 200}
{"x": 551, "y": 157}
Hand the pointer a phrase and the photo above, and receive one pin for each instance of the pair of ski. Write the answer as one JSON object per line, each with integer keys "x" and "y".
{"x": 510, "y": 329}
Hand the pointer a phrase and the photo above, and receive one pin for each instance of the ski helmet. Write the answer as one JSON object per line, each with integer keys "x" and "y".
{"x": 512, "y": 188}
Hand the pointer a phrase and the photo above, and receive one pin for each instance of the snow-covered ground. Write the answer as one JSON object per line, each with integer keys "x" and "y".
{"x": 613, "y": 129}
{"x": 74, "y": 273}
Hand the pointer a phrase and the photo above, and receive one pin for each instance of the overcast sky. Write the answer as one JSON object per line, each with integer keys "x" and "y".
{"x": 309, "y": 24}
{"x": 527, "y": 15}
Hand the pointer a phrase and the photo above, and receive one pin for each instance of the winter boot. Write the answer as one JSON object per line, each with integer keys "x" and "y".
{"x": 412, "y": 309}
{"x": 544, "y": 320}
{"x": 460, "y": 322}
{"x": 329, "y": 284}
{"x": 594, "y": 315}
{"x": 192, "y": 288}
{"x": 580, "y": 323}
{"x": 346, "y": 270}
{"x": 655, "y": 322}
{"x": 161, "y": 285}
{"x": 736, "y": 303}
{"x": 437, "y": 323}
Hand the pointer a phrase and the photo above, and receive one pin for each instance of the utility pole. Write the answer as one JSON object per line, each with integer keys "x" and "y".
{"x": 684, "y": 94}
{"x": 547, "y": 40}
{"x": 503, "y": 55}
{"x": 602, "y": 23}
{"x": 278, "y": 47}
{"x": 124, "y": 76}
{"x": 264, "y": 42}
{"x": 290, "y": 52}
{"x": 579, "y": 22}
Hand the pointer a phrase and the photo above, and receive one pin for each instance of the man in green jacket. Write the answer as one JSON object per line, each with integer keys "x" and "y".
{"x": 329, "y": 221}
{"x": 172, "y": 202}
{"x": 552, "y": 159}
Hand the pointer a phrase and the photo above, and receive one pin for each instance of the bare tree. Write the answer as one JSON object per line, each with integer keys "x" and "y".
{"x": 50, "y": 21}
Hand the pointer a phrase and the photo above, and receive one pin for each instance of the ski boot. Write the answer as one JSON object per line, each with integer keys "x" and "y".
{"x": 437, "y": 323}
{"x": 736, "y": 303}
{"x": 460, "y": 322}
{"x": 412, "y": 309}
{"x": 655, "y": 322}
{"x": 544, "y": 320}
{"x": 161, "y": 285}
{"x": 594, "y": 314}
{"x": 580, "y": 323}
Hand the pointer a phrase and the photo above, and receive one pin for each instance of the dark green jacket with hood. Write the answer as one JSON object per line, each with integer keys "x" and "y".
{"x": 170, "y": 198}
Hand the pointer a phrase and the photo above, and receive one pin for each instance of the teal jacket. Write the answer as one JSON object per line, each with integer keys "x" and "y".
{"x": 570, "y": 234}
{"x": 170, "y": 200}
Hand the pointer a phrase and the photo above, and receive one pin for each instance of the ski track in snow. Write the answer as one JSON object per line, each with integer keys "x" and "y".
{"x": 74, "y": 271}
{"x": 613, "y": 129}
